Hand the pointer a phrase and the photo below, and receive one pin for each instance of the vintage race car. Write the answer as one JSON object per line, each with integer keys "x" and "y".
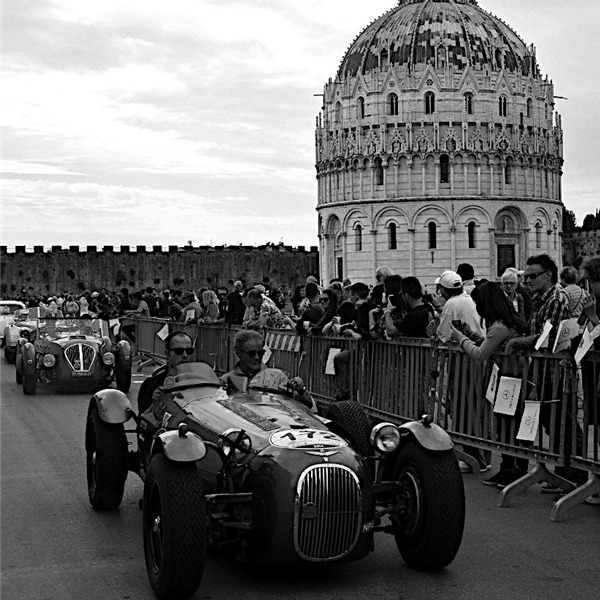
{"x": 24, "y": 323}
{"x": 259, "y": 474}
{"x": 8, "y": 310}
{"x": 71, "y": 354}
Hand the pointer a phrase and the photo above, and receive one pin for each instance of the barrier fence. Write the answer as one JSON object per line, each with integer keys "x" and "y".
{"x": 540, "y": 406}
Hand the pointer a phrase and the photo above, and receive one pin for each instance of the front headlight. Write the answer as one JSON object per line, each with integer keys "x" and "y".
{"x": 235, "y": 443}
{"x": 49, "y": 360}
{"x": 108, "y": 358}
{"x": 385, "y": 437}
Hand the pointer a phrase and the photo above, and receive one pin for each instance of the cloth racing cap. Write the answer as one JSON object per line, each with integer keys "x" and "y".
{"x": 451, "y": 280}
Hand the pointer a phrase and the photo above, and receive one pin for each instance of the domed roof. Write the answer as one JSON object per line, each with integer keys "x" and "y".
{"x": 412, "y": 33}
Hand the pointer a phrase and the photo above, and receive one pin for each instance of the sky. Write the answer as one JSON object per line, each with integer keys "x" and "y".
{"x": 162, "y": 123}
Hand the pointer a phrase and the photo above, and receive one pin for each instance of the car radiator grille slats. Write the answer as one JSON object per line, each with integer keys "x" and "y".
{"x": 80, "y": 356}
{"x": 328, "y": 512}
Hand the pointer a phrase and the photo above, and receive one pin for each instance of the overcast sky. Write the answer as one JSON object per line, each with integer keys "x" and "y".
{"x": 152, "y": 122}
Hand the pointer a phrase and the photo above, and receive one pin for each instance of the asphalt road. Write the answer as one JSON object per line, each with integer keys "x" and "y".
{"x": 55, "y": 547}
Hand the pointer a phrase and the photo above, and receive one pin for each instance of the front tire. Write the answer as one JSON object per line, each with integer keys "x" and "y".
{"x": 29, "y": 381}
{"x": 123, "y": 379}
{"x": 106, "y": 461}
{"x": 174, "y": 525}
{"x": 429, "y": 512}
{"x": 354, "y": 424}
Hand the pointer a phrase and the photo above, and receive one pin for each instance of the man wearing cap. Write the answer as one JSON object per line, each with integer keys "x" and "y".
{"x": 459, "y": 307}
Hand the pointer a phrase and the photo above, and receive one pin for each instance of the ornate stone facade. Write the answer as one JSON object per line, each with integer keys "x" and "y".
{"x": 437, "y": 144}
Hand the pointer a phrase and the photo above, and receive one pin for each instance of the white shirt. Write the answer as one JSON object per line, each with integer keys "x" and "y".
{"x": 459, "y": 308}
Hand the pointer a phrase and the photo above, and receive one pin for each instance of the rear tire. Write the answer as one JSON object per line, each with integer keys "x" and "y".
{"x": 106, "y": 461}
{"x": 429, "y": 513}
{"x": 174, "y": 524}
{"x": 355, "y": 426}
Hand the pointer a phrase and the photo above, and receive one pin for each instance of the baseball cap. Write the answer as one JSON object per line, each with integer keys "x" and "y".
{"x": 451, "y": 280}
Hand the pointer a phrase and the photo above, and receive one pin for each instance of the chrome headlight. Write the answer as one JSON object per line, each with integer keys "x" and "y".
{"x": 385, "y": 437}
{"x": 49, "y": 360}
{"x": 108, "y": 358}
{"x": 235, "y": 443}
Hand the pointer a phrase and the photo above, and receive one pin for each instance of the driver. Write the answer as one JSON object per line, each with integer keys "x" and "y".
{"x": 179, "y": 349}
{"x": 248, "y": 346}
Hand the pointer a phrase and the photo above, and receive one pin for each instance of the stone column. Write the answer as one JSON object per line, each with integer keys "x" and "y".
{"x": 493, "y": 253}
{"x": 411, "y": 247}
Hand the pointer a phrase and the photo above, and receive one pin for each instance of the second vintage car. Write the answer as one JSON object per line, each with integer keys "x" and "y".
{"x": 257, "y": 473}
{"x": 8, "y": 311}
{"x": 73, "y": 355}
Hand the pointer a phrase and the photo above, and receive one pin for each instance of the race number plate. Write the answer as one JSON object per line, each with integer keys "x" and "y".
{"x": 305, "y": 439}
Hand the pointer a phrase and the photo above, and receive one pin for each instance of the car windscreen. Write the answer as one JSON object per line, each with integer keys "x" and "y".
{"x": 55, "y": 329}
{"x": 9, "y": 309}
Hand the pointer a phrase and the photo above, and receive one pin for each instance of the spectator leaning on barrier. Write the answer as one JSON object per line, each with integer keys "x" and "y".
{"x": 458, "y": 307}
{"x": 315, "y": 310}
{"x": 329, "y": 300}
{"x": 575, "y": 294}
{"x": 266, "y": 314}
{"x": 416, "y": 320}
{"x": 378, "y": 295}
{"x": 502, "y": 323}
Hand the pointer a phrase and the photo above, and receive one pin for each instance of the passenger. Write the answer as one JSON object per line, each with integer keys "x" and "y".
{"x": 502, "y": 323}
{"x": 179, "y": 348}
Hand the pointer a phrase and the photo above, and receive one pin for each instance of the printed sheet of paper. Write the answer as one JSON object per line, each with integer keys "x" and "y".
{"x": 567, "y": 330}
{"x": 542, "y": 341}
{"x": 587, "y": 341}
{"x": 507, "y": 396}
{"x": 529, "y": 422}
{"x": 329, "y": 370}
{"x": 115, "y": 325}
{"x": 163, "y": 332}
{"x": 190, "y": 315}
{"x": 490, "y": 394}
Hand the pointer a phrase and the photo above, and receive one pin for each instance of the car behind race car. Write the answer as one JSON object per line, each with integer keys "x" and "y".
{"x": 71, "y": 354}
{"x": 257, "y": 473}
{"x": 8, "y": 312}
{"x": 23, "y": 324}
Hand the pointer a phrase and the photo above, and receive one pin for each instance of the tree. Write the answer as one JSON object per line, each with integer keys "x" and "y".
{"x": 569, "y": 221}
{"x": 589, "y": 222}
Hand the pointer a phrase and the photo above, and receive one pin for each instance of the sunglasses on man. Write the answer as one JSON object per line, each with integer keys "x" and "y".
{"x": 533, "y": 276}
{"x": 253, "y": 353}
{"x": 181, "y": 351}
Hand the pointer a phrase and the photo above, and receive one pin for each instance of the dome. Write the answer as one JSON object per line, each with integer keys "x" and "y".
{"x": 420, "y": 32}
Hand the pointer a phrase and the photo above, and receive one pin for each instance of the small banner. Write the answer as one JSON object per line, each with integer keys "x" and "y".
{"x": 163, "y": 332}
{"x": 490, "y": 394}
{"x": 567, "y": 330}
{"x": 507, "y": 396}
{"x": 283, "y": 340}
{"x": 587, "y": 341}
{"x": 529, "y": 421}
{"x": 329, "y": 370}
{"x": 267, "y": 355}
{"x": 542, "y": 341}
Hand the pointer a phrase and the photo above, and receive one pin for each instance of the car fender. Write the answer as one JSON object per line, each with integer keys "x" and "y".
{"x": 430, "y": 437}
{"x": 178, "y": 447}
{"x": 113, "y": 406}
{"x": 123, "y": 351}
{"x": 28, "y": 358}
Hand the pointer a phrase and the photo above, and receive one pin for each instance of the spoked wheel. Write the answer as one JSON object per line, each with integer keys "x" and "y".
{"x": 429, "y": 507}
{"x": 106, "y": 461}
{"x": 174, "y": 524}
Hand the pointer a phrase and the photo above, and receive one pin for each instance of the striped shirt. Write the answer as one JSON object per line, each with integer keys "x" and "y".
{"x": 552, "y": 306}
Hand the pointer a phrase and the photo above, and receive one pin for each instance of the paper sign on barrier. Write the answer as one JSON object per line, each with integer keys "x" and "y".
{"x": 163, "y": 332}
{"x": 115, "y": 325}
{"x": 507, "y": 396}
{"x": 567, "y": 330}
{"x": 587, "y": 341}
{"x": 329, "y": 370}
{"x": 542, "y": 341}
{"x": 529, "y": 421}
{"x": 490, "y": 394}
{"x": 267, "y": 355}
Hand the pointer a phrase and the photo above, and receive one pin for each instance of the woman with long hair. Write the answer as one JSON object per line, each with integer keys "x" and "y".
{"x": 210, "y": 304}
{"x": 329, "y": 299}
{"x": 502, "y": 323}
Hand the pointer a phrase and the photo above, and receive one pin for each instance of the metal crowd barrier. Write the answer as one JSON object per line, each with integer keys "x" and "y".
{"x": 401, "y": 380}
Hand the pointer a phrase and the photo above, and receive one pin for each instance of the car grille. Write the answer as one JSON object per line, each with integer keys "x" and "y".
{"x": 327, "y": 513}
{"x": 80, "y": 356}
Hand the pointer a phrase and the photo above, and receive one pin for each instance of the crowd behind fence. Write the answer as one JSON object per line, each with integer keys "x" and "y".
{"x": 401, "y": 380}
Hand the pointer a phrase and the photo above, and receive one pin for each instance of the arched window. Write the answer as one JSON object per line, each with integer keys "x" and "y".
{"x": 383, "y": 60}
{"x": 393, "y": 105}
{"x": 508, "y": 173}
{"x": 444, "y": 168}
{"x": 469, "y": 103}
{"x": 429, "y": 103}
{"x": 521, "y": 119}
{"x": 538, "y": 235}
{"x": 358, "y": 238}
{"x": 338, "y": 111}
{"x": 441, "y": 57}
{"x": 502, "y": 106}
{"x": 471, "y": 233}
{"x": 392, "y": 241}
{"x": 432, "y": 235}
{"x": 378, "y": 172}
{"x": 529, "y": 108}
{"x": 360, "y": 108}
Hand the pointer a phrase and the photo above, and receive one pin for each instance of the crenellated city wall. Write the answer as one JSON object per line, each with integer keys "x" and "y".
{"x": 41, "y": 270}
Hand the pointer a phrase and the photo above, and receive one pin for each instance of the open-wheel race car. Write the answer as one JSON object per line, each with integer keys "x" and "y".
{"x": 257, "y": 473}
{"x": 73, "y": 355}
